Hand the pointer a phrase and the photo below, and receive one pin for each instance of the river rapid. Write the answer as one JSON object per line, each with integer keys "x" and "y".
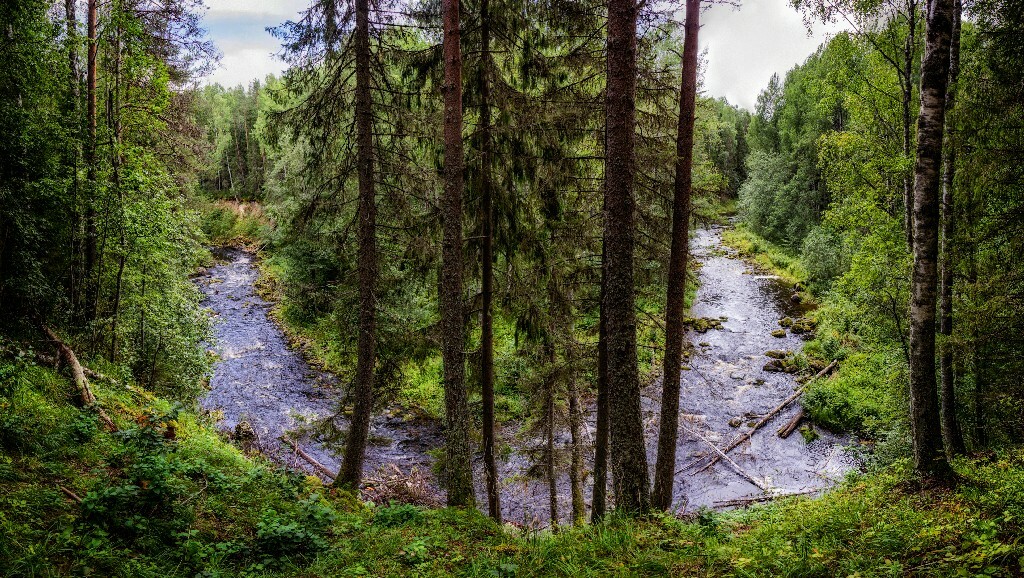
{"x": 262, "y": 383}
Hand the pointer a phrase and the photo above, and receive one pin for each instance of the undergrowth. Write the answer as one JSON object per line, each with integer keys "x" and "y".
{"x": 168, "y": 496}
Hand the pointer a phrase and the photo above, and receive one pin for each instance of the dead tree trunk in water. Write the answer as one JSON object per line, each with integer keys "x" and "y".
{"x": 629, "y": 456}
{"x": 458, "y": 470}
{"x": 668, "y": 435}
{"x": 951, "y": 433}
{"x": 355, "y": 446}
{"x": 929, "y": 458}
{"x": 487, "y": 269}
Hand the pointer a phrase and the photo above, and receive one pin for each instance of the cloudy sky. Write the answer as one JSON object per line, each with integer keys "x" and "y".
{"x": 744, "y": 46}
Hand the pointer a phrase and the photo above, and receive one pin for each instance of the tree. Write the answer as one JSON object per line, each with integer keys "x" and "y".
{"x": 628, "y": 454}
{"x": 355, "y": 447}
{"x": 924, "y": 407}
{"x": 458, "y": 467}
{"x": 487, "y": 266}
{"x": 665, "y": 467}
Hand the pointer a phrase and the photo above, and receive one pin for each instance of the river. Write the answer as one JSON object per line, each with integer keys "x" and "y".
{"x": 261, "y": 381}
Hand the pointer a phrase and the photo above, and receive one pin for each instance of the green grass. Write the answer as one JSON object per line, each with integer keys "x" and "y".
{"x": 197, "y": 506}
{"x": 230, "y": 223}
{"x": 765, "y": 254}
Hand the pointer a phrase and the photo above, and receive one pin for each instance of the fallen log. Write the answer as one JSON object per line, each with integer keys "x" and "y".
{"x": 70, "y": 494}
{"x": 762, "y": 498}
{"x": 746, "y": 436}
{"x": 790, "y": 427}
{"x": 78, "y": 374}
{"x": 761, "y": 485}
{"x": 320, "y": 468}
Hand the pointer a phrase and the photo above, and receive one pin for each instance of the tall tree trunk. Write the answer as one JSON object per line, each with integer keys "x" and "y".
{"x": 951, "y": 433}
{"x": 599, "y": 499}
{"x": 91, "y": 256}
{"x": 929, "y": 458}
{"x": 355, "y": 445}
{"x": 487, "y": 268}
{"x": 579, "y": 507}
{"x": 907, "y": 89}
{"x": 629, "y": 456}
{"x": 665, "y": 467}
{"x": 458, "y": 467}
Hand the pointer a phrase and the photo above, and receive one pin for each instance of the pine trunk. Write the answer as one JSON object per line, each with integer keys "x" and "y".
{"x": 929, "y": 458}
{"x": 487, "y": 269}
{"x": 628, "y": 454}
{"x": 665, "y": 467}
{"x": 355, "y": 445}
{"x": 458, "y": 467}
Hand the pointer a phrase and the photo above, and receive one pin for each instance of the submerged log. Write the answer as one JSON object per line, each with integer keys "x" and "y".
{"x": 746, "y": 436}
{"x": 320, "y": 468}
{"x": 790, "y": 427}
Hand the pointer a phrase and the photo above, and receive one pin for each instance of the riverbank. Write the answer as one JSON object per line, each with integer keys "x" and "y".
{"x": 146, "y": 503}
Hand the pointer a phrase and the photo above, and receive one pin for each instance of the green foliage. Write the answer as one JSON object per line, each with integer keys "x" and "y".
{"x": 396, "y": 515}
{"x": 864, "y": 397}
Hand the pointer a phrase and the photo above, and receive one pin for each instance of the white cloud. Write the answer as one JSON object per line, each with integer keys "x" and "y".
{"x": 266, "y": 8}
{"x": 242, "y": 66}
{"x": 746, "y": 46}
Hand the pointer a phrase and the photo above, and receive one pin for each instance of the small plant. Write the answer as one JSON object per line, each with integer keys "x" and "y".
{"x": 396, "y": 515}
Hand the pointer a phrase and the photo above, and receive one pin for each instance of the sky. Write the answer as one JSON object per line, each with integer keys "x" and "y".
{"x": 744, "y": 46}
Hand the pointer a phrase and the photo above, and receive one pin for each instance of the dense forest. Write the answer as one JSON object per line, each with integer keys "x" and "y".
{"x": 497, "y": 288}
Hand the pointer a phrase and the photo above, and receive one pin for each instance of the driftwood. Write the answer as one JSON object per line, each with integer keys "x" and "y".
{"x": 320, "y": 468}
{"x": 762, "y": 498}
{"x": 761, "y": 485}
{"x": 70, "y": 494}
{"x": 790, "y": 427}
{"x": 78, "y": 374}
{"x": 54, "y": 361}
{"x": 746, "y": 436}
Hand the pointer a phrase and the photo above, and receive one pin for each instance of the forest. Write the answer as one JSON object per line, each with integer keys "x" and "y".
{"x": 498, "y": 288}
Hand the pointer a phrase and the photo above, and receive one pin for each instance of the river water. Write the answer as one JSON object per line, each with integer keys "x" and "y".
{"x": 263, "y": 382}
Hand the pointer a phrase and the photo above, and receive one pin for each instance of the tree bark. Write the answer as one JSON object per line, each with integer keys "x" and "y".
{"x": 458, "y": 467}
{"x": 355, "y": 445}
{"x": 628, "y": 454}
{"x": 929, "y": 457}
{"x": 951, "y": 432}
{"x": 487, "y": 269}
{"x": 599, "y": 499}
{"x": 85, "y": 394}
{"x": 668, "y": 435}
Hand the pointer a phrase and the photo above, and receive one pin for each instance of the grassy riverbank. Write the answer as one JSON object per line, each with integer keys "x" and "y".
{"x": 148, "y": 503}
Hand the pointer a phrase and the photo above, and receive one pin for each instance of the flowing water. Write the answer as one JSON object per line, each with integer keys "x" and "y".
{"x": 264, "y": 383}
